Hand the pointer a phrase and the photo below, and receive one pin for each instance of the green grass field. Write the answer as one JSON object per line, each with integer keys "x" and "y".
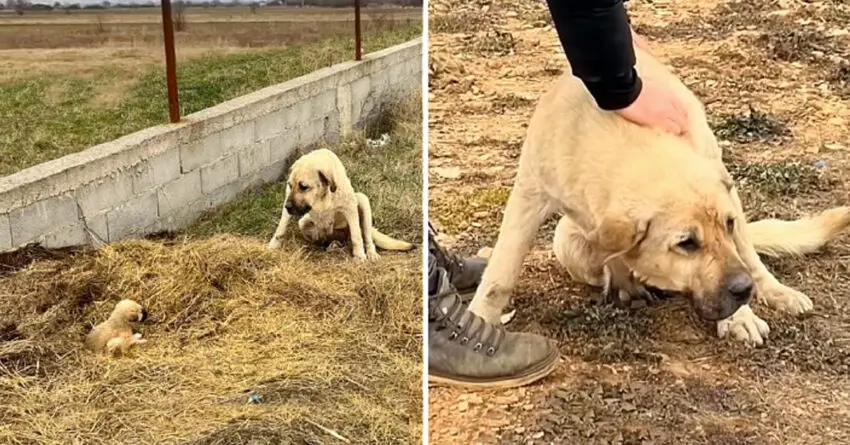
{"x": 48, "y": 115}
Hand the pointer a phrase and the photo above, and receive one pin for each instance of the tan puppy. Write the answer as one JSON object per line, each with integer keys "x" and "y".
{"x": 319, "y": 191}
{"x": 115, "y": 336}
{"x": 643, "y": 208}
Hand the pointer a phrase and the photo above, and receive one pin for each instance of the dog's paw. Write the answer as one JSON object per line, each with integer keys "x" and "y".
{"x": 372, "y": 255}
{"x": 274, "y": 244}
{"x": 785, "y": 299}
{"x": 744, "y": 325}
{"x": 620, "y": 288}
{"x": 359, "y": 256}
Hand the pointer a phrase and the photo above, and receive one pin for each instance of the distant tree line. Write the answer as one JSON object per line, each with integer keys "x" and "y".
{"x": 21, "y": 6}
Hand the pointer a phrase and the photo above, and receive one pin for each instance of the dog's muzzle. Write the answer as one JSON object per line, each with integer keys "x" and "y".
{"x": 295, "y": 210}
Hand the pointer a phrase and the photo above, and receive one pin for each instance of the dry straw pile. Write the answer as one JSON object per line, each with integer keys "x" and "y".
{"x": 328, "y": 350}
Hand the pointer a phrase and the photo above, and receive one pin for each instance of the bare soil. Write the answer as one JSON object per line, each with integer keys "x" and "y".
{"x": 773, "y": 75}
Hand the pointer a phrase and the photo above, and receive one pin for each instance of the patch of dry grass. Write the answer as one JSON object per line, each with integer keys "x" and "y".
{"x": 321, "y": 339}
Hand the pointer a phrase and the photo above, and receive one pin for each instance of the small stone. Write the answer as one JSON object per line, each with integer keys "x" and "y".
{"x": 480, "y": 215}
{"x": 537, "y": 435}
{"x": 519, "y": 430}
{"x": 834, "y": 146}
{"x": 475, "y": 399}
{"x": 463, "y": 406}
{"x": 447, "y": 172}
{"x": 507, "y": 400}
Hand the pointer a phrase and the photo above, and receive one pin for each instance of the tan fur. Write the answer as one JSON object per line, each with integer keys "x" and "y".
{"x": 114, "y": 337}
{"x": 629, "y": 194}
{"x": 319, "y": 184}
{"x": 774, "y": 238}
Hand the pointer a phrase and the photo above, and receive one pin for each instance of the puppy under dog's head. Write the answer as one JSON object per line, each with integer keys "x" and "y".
{"x": 308, "y": 188}
{"x": 130, "y": 311}
{"x": 683, "y": 244}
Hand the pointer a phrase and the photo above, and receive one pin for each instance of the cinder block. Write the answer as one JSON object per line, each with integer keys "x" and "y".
{"x": 156, "y": 171}
{"x": 299, "y": 114}
{"x": 132, "y": 216}
{"x": 323, "y": 103}
{"x": 360, "y": 92}
{"x": 396, "y": 73}
{"x": 179, "y": 192}
{"x": 283, "y": 146}
{"x": 34, "y": 220}
{"x": 97, "y": 229}
{"x": 270, "y": 125}
{"x": 105, "y": 193}
{"x": 273, "y": 172}
{"x": 5, "y": 233}
{"x": 219, "y": 173}
{"x": 200, "y": 152}
{"x": 343, "y": 108}
{"x": 254, "y": 157}
{"x": 332, "y": 131}
{"x": 237, "y": 136}
{"x": 70, "y": 235}
{"x": 311, "y": 133}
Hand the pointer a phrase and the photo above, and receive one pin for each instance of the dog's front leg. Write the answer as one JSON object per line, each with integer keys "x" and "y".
{"x": 768, "y": 288}
{"x": 352, "y": 217}
{"x": 281, "y": 226}
{"x": 365, "y": 211}
{"x": 526, "y": 210}
{"x": 744, "y": 325}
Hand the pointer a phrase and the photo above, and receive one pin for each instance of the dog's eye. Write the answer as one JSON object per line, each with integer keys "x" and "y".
{"x": 688, "y": 244}
{"x": 730, "y": 224}
{"x": 303, "y": 187}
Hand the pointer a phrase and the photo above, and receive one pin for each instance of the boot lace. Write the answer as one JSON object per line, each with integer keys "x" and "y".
{"x": 466, "y": 327}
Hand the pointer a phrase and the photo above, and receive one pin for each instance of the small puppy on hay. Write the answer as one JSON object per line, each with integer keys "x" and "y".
{"x": 319, "y": 191}
{"x": 115, "y": 335}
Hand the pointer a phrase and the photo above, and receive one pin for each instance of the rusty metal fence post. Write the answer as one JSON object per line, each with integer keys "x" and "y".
{"x": 170, "y": 63}
{"x": 357, "y": 41}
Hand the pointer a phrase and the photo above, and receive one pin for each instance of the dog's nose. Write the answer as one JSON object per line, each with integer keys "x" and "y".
{"x": 144, "y": 315}
{"x": 288, "y": 206}
{"x": 739, "y": 285}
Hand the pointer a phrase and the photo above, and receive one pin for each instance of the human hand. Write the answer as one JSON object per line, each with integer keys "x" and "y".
{"x": 657, "y": 107}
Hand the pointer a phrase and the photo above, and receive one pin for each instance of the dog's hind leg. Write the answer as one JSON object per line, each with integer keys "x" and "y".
{"x": 281, "y": 226}
{"x": 352, "y": 217}
{"x": 576, "y": 255}
{"x": 364, "y": 209}
{"x": 526, "y": 210}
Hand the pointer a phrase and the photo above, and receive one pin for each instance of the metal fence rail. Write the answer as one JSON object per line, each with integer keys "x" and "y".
{"x": 171, "y": 62}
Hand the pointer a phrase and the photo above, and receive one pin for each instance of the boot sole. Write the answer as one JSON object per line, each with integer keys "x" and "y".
{"x": 543, "y": 369}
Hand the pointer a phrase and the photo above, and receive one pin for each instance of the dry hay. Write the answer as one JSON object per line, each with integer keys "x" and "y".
{"x": 324, "y": 342}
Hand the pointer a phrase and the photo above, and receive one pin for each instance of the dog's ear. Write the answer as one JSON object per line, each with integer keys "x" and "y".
{"x": 617, "y": 235}
{"x": 328, "y": 181}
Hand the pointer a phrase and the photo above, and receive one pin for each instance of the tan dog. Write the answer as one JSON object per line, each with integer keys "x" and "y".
{"x": 115, "y": 335}
{"x": 644, "y": 209}
{"x": 318, "y": 190}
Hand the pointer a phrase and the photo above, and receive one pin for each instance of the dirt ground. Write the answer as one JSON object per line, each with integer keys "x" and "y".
{"x": 776, "y": 81}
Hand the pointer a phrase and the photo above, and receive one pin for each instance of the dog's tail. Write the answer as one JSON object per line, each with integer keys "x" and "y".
{"x": 774, "y": 237}
{"x": 387, "y": 242}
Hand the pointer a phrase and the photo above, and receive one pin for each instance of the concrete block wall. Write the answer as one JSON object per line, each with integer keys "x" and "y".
{"x": 165, "y": 177}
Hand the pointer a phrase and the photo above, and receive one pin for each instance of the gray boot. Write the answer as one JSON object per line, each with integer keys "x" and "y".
{"x": 464, "y": 350}
{"x": 464, "y": 273}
